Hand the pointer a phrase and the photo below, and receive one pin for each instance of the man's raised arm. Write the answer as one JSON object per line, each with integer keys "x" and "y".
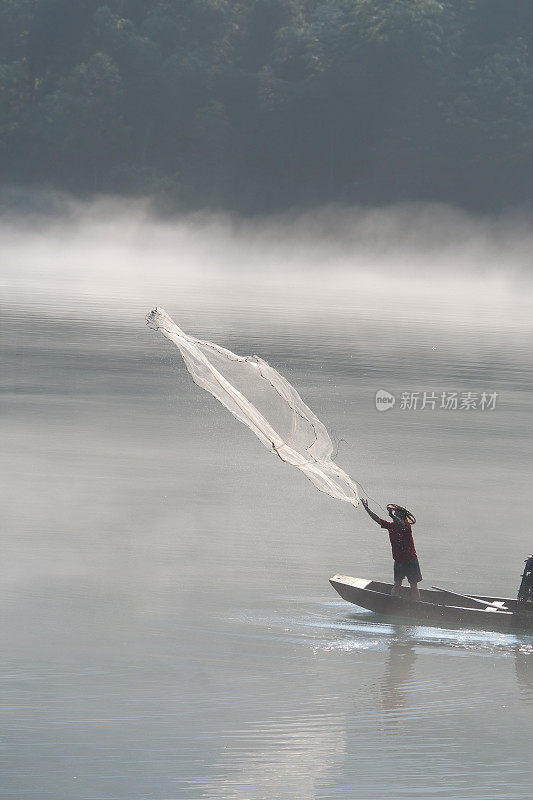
{"x": 371, "y": 514}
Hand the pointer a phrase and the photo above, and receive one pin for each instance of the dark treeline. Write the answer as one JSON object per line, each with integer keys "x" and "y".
{"x": 258, "y": 104}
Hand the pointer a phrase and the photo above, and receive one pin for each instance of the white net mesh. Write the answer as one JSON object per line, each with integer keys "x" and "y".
{"x": 266, "y": 403}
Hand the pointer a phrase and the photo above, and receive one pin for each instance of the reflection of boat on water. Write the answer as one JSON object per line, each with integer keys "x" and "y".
{"x": 438, "y": 607}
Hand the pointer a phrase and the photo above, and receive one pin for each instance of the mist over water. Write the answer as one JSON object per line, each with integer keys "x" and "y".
{"x": 122, "y": 257}
{"x": 169, "y": 628}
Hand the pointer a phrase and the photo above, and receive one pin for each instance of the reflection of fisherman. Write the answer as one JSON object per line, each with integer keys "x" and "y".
{"x": 524, "y": 670}
{"x": 394, "y": 694}
{"x": 403, "y": 547}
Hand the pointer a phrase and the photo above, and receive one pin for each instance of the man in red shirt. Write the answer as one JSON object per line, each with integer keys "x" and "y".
{"x": 403, "y": 547}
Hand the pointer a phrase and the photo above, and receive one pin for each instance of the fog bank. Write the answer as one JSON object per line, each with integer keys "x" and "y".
{"x": 119, "y": 258}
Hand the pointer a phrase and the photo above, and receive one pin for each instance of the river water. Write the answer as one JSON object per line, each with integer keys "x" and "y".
{"x": 168, "y": 628}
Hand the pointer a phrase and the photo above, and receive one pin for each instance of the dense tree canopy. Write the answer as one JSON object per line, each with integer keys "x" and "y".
{"x": 258, "y": 104}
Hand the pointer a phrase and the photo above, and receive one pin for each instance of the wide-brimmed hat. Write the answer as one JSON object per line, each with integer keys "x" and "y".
{"x": 392, "y": 508}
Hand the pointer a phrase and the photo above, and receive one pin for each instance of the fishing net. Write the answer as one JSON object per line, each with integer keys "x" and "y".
{"x": 264, "y": 401}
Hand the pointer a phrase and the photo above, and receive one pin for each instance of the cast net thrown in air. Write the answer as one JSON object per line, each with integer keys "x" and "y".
{"x": 266, "y": 403}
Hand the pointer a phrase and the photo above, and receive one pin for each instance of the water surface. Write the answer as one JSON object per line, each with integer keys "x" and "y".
{"x": 169, "y": 630}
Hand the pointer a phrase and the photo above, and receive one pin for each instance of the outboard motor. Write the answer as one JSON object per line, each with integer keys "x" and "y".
{"x": 525, "y": 592}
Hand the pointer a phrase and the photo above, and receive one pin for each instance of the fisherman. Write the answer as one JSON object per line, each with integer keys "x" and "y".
{"x": 525, "y": 593}
{"x": 403, "y": 547}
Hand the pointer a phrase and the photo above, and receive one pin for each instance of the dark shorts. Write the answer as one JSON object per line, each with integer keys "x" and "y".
{"x": 407, "y": 569}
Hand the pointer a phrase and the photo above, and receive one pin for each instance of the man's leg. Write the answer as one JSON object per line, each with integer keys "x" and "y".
{"x": 415, "y": 593}
{"x": 397, "y": 588}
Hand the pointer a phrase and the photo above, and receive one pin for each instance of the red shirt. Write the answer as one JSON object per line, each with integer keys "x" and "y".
{"x": 401, "y": 539}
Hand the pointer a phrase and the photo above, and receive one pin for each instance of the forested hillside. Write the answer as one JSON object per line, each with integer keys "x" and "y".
{"x": 259, "y": 104}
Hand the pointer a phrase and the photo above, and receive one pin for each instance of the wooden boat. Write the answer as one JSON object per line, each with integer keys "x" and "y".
{"x": 438, "y": 607}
